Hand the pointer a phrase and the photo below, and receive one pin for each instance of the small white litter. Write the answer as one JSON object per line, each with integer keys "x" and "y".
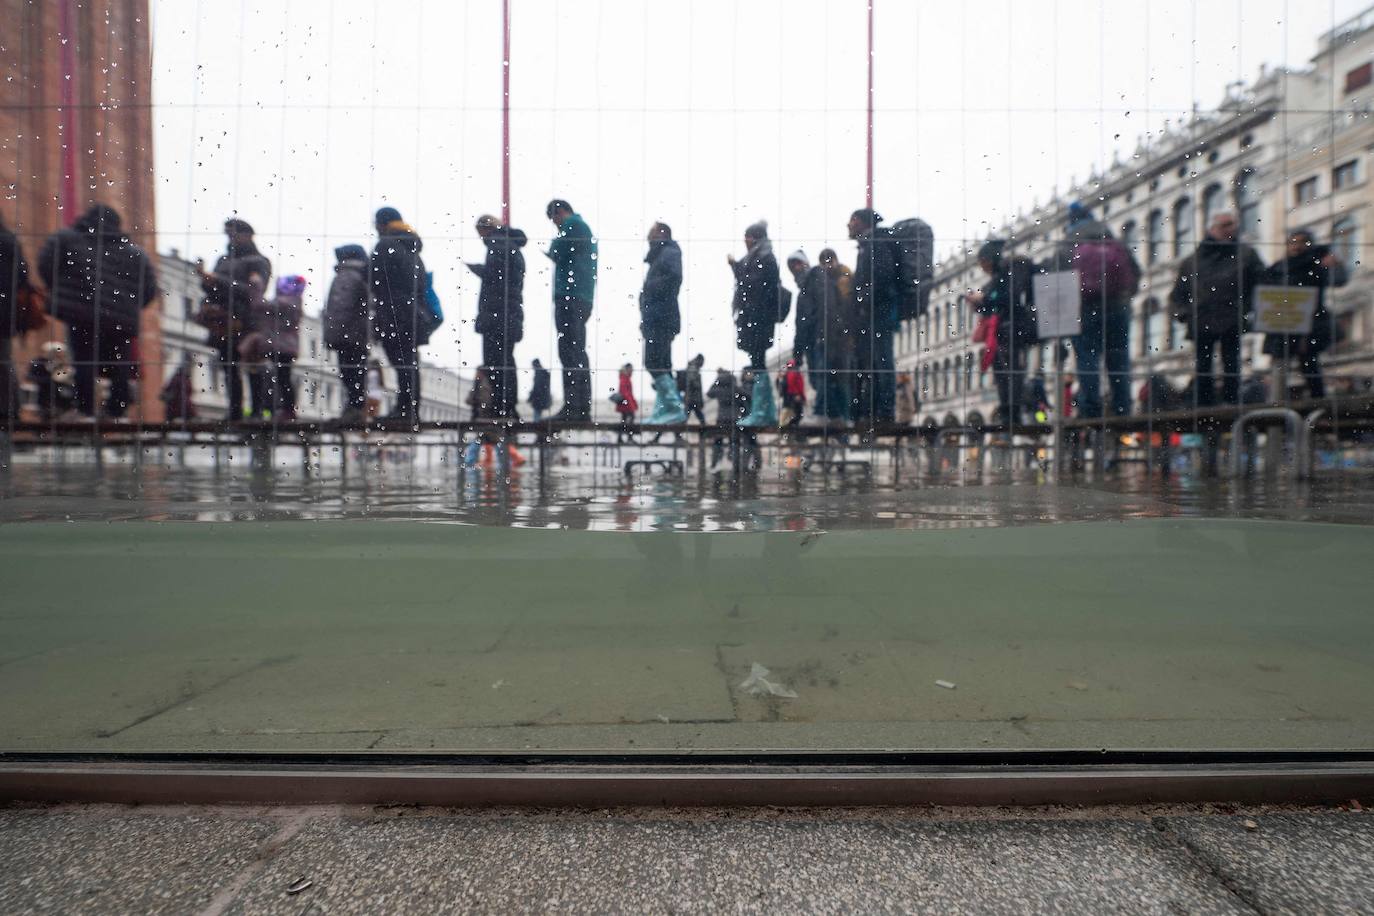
{"x": 499, "y": 684}
{"x": 948, "y": 685}
{"x": 758, "y": 684}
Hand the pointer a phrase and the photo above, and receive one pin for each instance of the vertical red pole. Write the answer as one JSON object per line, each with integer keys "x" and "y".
{"x": 505, "y": 111}
{"x": 67, "y": 59}
{"x": 870, "y": 104}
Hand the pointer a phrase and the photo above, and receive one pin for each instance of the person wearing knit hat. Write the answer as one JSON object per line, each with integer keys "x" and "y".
{"x": 398, "y": 282}
{"x": 760, "y": 302}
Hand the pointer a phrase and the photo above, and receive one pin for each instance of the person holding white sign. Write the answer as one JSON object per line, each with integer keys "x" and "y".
{"x": 1007, "y": 327}
{"x": 1211, "y": 297}
{"x": 1307, "y": 265}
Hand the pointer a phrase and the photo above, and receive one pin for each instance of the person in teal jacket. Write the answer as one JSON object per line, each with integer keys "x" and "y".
{"x": 573, "y": 253}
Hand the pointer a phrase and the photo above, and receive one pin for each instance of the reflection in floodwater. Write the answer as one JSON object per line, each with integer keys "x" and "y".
{"x": 397, "y": 484}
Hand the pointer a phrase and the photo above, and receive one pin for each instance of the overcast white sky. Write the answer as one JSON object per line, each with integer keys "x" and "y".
{"x": 306, "y": 115}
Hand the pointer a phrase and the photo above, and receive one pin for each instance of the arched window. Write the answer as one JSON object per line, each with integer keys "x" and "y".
{"x": 1154, "y": 241}
{"x": 937, "y": 323}
{"x": 1129, "y": 233}
{"x": 968, "y": 371}
{"x": 1183, "y": 226}
{"x": 1247, "y": 203}
{"x": 1213, "y": 202}
{"x": 925, "y": 380}
{"x": 944, "y": 378}
{"x": 1345, "y": 242}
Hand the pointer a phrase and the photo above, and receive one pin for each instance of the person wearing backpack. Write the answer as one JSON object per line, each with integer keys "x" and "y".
{"x": 1007, "y": 305}
{"x": 1212, "y": 296}
{"x": 99, "y": 283}
{"x": 1108, "y": 277}
{"x": 346, "y": 327}
{"x": 398, "y": 283}
{"x": 877, "y": 305}
{"x": 501, "y": 309}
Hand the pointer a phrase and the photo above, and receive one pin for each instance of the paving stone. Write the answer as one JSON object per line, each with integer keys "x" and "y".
{"x": 104, "y": 861}
{"x": 1289, "y": 863}
{"x": 736, "y": 861}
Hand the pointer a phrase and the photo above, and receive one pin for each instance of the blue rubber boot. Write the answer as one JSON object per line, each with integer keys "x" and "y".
{"x": 668, "y": 409}
{"x": 762, "y": 411}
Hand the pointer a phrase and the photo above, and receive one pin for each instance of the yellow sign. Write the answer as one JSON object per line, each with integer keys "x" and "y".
{"x": 1284, "y": 309}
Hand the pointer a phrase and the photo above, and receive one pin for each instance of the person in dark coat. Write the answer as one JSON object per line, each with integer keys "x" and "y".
{"x": 346, "y": 323}
{"x": 501, "y": 309}
{"x": 757, "y": 285}
{"x": 99, "y": 282}
{"x": 573, "y": 253}
{"x": 1306, "y": 264}
{"x": 809, "y": 299}
{"x": 178, "y": 394}
{"x": 14, "y": 283}
{"x": 1212, "y": 296}
{"x": 541, "y": 391}
{"x": 660, "y": 322}
{"x": 689, "y": 385}
{"x": 877, "y": 299}
{"x": 731, "y": 405}
{"x": 238, "y": 282}
{"x": 1005, "y": 302}
{"x": 824, "y": 331}
{"x": 832, "y": 350}
{"x": 397, "y": 281}
{"x": 758, "y": 306}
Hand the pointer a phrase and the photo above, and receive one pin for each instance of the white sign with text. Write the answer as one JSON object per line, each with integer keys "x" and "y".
{"x": 1284, "y": 309}
{"x": 1058, "y": 304}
